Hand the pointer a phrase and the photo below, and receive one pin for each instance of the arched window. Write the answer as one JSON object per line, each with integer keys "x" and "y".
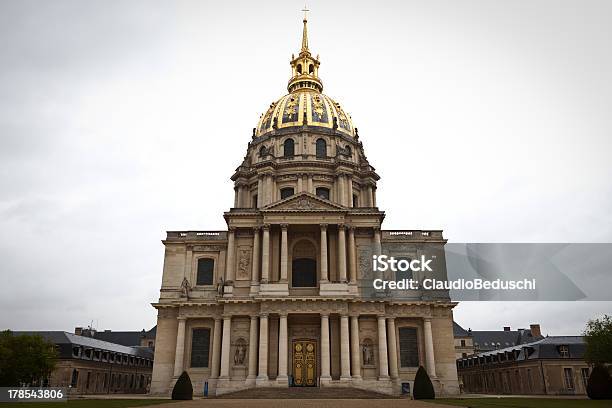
{"x": 310, "y": 69}
{"x": 286, "y": 192}
{"x": 200, "y": 346}
{"x": 206, "y": 267}
{"x": 321, "y": 148}
{"x": 323, "y": 192}
{"x": 355, "y": 201}
{"x": 304, "y": 265}
{"x": 299, "y": 68}
{"x": 288, "y": 148}
{"x": 262, "y": 151}
{"x": 409, "y": 347}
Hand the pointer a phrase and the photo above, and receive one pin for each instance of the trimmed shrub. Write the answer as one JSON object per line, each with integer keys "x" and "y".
{"x": 599, "y": 386}
{"x": 183, "y": 390}
{"x": 423, "y": 388}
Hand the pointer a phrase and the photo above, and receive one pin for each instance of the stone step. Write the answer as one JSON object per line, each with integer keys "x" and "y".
{"x": 306, "y": 393}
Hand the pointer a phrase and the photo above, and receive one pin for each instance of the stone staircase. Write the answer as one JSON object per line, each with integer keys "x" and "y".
{"x": 305, "y": 393}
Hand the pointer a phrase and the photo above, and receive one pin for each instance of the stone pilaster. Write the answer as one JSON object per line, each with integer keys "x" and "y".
{"x": 225, "y": 347}
{"x": 325, "y": 355}
{"x": 256, "y": 257}
{"x": 265, "y": 255}
{"x": 253, "y": 349}
{"x": 179, "y": 354}
{"x": 342, "y": 253}
{"x": 392, "y": 348}
{"x": 216, "y": 349}
{"x": 324, "y": 275}
{"x": 263, "y": 348}
{"x": 383, "y": 365}
{"x": 284, "y": 254}
{"x": 231, "y": 249}
{"x": 430, "y": 362}
{"x": 355, "y": 351}
{"x": 282, "y": 350}
{"x": 352, "y": 256}
{"x": 345, "y": 359}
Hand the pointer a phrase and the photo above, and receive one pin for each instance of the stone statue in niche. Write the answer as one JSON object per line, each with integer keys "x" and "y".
{"x": 368, "y": 353}
{"x": 220, "y": 285}
{"x": 185, "y": 288}
{"x": 240, "y": 353}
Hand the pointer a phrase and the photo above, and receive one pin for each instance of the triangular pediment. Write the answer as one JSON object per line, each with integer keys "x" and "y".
{"x": 304, "y": 202}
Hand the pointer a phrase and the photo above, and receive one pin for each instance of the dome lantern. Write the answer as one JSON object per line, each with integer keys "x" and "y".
{"x": 304, "y": 67}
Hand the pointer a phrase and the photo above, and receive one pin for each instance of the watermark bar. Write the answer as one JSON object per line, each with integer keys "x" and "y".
{"x": 33, "y": 394}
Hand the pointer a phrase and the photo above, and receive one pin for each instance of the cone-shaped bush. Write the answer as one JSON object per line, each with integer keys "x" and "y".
{"x": 183, "y": 390}
{"x": 599, "y": 385}
{"x": 423, "y": 388}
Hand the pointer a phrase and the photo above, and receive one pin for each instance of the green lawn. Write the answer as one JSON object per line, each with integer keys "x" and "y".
{"x": 88, "y": 403}
{"x": 524, "y": 403}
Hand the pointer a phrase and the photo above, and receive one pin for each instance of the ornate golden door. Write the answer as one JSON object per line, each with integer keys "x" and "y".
{"x": 305, "y": 363}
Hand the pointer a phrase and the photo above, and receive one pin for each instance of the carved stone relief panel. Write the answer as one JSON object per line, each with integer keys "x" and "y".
{"x": 365, "y": 262}
{"x": 243, "y": 271}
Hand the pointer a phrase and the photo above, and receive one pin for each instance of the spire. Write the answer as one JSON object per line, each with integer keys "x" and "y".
{"x": 304, "y": 67}
{"x": 305, "y": 32}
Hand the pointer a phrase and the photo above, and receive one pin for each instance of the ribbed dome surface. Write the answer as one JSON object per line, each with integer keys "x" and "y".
{"x": 316, "y": 109}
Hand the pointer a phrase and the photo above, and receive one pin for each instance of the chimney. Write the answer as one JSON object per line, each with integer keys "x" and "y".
{"x": 78, "y": 331}
{"x": 535, "y": 330}
{"x": 506, "y": 328}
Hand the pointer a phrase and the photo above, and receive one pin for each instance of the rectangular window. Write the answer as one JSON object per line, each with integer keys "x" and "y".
{"x": 529, "y": 380}
{"x": 462, "y": 343}
{"x": 409, "y": 348}
{"x": 206, "y": 267}
{"x": 569, "y": 378}
{"x": 200, "y": 346}
{"x": 585, "y": 376}
{"x": 402, "y": 263}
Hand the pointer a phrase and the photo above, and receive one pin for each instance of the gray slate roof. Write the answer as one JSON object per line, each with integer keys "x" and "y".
{"x": 66, "y": 340}
{"x": 547, "y": 347}
{"x": 485, "y": 340}
{"x": 459, "y": 331}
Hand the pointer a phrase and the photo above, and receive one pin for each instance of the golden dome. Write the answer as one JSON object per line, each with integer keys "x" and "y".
{"x": 305, "y": 105}
{"x": 305, "y": 108}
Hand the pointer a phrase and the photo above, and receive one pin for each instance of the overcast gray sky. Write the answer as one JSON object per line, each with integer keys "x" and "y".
{"x": 121, "y": 120}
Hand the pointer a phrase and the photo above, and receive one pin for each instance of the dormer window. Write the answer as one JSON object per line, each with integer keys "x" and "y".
{"x": 564, "y": 351}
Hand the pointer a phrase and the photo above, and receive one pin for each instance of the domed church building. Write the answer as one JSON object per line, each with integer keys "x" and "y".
{"x": 284, "y": 297}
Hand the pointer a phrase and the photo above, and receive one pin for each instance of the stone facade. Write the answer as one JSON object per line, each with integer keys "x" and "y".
{"x": 284, "y": 296}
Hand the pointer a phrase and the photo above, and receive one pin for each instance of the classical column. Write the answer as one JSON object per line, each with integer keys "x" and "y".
{"x": 355, "y": 352}
{"x": 269, "y": 192}
{"x": 429, "y": 348}
{"x": 370, "y": 196}
{"x": 350, "y": 190}
{"x": 392, "y": 348}
{"x": 236, "y": 195}
{"x": 216, "y": 351}
{"x": 284, "y": 255}
{"x": 282, "y": 348}
{"x": 256, "y": 255}
{"x": 352, "y": 256}
{"x": 342, "y": 252}
{"x": 374, "y": 196}
{"x": 324, "y": 277}
{"x": 253, "y": 348}
{"x": 341, "y": 190}
{"x": 265, "y": 255}
{"x": 300, "y": 185}
{"x": 310, "y": 184}
{"x": 382, "y": 349}
{"x": 259, "y": 192}
{"x": 377, "y": 242}
{"x": 345, "y": 359}
{"x": 229, "y": 264}
{"x": 225, "y": 346}
{"x": 325, "y": 363}
{"x": 263, "y": 347}
{"x": 179, "y": 354}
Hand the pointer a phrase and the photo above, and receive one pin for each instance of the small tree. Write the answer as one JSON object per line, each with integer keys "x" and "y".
{"x": 25, "y": 359}
{"x": 183, "y": 390}
{"x": 599, "y": 385}
{"x": 598, "y": 338}
{"x": 423, "y": 388}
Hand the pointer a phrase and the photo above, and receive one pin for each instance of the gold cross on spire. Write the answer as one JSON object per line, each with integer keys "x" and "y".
{"x": 305, "y": 32}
